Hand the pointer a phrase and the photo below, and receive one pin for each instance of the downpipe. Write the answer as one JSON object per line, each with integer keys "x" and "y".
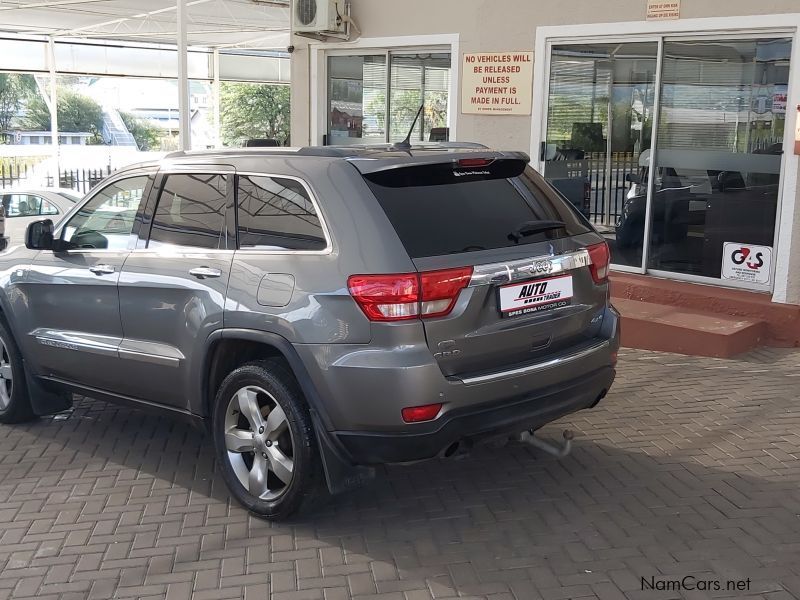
{"x": 559, "y": 451}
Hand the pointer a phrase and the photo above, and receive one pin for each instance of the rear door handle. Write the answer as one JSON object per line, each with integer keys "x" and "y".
{"x": 102, "y": 269}
{"x": 205, "y": 272}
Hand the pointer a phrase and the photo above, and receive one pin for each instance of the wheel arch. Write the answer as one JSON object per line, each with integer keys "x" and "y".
{"x": 341, "y": 474}
{"x": 244, "y": 345}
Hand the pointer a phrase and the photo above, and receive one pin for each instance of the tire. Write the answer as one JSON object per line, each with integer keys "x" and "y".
{"x": 265, "y": 442}
{"x": 15, "y": 403}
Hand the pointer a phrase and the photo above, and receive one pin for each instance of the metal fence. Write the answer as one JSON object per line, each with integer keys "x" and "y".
{"x": 24, "y": 175}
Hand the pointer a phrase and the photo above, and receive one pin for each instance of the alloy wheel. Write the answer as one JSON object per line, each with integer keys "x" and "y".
{"x": 259, "y": 443}
{"x": 6, "y": 376}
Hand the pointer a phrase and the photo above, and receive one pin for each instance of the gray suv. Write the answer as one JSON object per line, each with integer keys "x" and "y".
{"x": 321, "y": 310}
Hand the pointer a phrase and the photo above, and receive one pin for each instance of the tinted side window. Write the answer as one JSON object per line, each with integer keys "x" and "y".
{"x": 277, "y": 214}
{"x": 106, "y": 221}
{"x": 190, "y": 212}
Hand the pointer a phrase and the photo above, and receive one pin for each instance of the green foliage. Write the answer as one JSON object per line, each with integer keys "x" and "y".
{"x": 405, "y": 104}
{"x": 251, "y": 110}
{"x": 76, "y": 113}
{"x": 14, "y": 89}
{"x": 147, "y": 135}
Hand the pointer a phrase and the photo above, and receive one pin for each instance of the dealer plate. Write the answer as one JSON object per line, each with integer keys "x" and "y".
{"x": 535, "y": 296}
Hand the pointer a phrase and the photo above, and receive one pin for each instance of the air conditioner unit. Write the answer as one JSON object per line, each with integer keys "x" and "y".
{"x": 321, "y": 17}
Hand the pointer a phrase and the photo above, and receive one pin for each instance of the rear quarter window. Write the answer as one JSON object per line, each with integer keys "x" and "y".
{"x": 442, "y": 209}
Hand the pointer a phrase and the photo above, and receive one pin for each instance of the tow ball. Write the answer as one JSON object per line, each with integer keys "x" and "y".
{"x": 559, "y": 451}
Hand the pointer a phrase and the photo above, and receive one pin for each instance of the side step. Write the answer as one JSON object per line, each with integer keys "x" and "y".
{"x": 675, "y": 329}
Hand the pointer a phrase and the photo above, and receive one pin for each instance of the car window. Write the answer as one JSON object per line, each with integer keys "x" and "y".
{"x": 190, "y": 212}
{"x": 48, "y": 209}
{"x": 277, "y": 214}
{"x": 22, "y": 205}
{"x": 106, "y": 220}
{"x": 492, "y": 202}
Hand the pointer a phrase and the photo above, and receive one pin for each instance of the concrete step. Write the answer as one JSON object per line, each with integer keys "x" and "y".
{"x": 651, "y": 326}
{"x": 782, "y": 321}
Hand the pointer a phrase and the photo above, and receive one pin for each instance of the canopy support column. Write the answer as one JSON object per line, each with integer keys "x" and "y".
{"x": 184, "y": 116}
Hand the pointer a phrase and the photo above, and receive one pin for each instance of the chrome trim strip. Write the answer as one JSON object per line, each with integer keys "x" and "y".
{"x": 164, "y": 361}
{"x": 554, "y": 362}
{"x": 526, "y": 268}
{"x": 74, "y": 340}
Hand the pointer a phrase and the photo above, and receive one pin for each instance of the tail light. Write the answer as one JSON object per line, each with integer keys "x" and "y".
{"x": 600, "y": 257}
{"x": 404, "y": 296}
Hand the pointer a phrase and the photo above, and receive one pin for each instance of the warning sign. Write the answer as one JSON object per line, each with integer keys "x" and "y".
{"x": 658, "y": 10}
{"x": 746, "y": 262}
{"x": 497, "y": 83}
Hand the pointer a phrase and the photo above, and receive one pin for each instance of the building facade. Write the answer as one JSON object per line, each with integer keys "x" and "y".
{"x": 674, "y": 136}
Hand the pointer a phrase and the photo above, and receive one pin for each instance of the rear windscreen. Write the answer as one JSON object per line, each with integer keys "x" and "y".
{"x": 446, "y": 209}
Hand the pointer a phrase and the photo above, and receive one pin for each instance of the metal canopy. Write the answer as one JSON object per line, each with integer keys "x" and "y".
{"x": 262, "y": 24}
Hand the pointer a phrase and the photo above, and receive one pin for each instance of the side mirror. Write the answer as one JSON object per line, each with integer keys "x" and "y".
{"x": 39, "y": 235}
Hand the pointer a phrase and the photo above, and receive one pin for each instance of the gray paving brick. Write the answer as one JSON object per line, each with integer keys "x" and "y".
{"x": 686, "y": 467}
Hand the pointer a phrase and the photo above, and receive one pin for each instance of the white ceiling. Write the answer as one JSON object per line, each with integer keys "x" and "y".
{"x": 262, "y": 24}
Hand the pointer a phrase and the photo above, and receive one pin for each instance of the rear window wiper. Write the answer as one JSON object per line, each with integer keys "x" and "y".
{"x": 531, "y": 227}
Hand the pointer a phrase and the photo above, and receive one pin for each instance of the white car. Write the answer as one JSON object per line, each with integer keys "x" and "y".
{"x": 20, "y": 207}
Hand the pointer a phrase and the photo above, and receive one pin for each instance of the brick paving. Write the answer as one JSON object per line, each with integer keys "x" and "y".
{"x": 689, "y": 467}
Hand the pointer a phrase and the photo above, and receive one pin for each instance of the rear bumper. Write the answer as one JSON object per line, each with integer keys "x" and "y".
{"x": 362, "y": 390}
{"x": 469, "y": 425}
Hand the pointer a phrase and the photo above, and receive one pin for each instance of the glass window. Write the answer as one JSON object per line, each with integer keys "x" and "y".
{"x": 356, "y": 100}
{"x": 358, "y": 88}
{"x": 419, "y": 79}
{"x": 277, "y": 214}
{"x": 599, "y": 132}
{"x": 719, "y": 146}
{"x": 190, "y": 212}
{"x": 106, "y": 221}
{"x": 47, "y": 209}
{"x": 22, "y": 205}
{"x": 497, "y": 208}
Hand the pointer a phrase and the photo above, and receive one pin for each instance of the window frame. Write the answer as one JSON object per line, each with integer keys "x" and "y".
{"x": 319, "y": 51}
{"x": 68, "y": 215}
{"x": 328, "y": 249}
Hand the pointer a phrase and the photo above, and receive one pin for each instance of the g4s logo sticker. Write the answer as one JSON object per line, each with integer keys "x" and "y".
{"x": 744, "y": 256}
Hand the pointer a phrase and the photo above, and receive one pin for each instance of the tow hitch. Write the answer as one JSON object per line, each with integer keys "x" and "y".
{"x": 560, "y": 451}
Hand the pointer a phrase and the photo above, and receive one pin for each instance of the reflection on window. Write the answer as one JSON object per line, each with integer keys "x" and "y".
{"x": 419, "y": 79}
{"x": 190, "y": 212}
{"x": 106, "y": 221}
{"x": 24, "y": 205}
{"x": 720, "y": 138}
{"x": 358, "y": 87}
{"x": 356, "y": 99}
{"x": 277, "y": 214}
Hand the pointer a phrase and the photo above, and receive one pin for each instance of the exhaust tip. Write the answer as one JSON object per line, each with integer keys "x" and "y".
{"x": 599, "y": 398}
{"x": 451, "y": 450}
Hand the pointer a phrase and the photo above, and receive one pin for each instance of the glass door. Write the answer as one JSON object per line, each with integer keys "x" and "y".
{"x": 599, "y": 134}
{"x": 718, "y": 157}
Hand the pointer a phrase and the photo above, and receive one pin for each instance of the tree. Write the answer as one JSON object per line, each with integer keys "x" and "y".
{"x": 76, "y": 113}
{"x": 14, "y": 89}
{"x": 252, "y": 110}
{"x": 147, "y": 136}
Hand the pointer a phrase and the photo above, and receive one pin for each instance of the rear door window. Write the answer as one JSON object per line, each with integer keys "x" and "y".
{"x": 444, "y": 208}
{"x": 277, "y": 214}
{"x": 190, "y": 212}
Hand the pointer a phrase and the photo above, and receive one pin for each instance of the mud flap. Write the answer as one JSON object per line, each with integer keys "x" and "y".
{"x": 340, "y": 475}
{"x": 44, "y": 401}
